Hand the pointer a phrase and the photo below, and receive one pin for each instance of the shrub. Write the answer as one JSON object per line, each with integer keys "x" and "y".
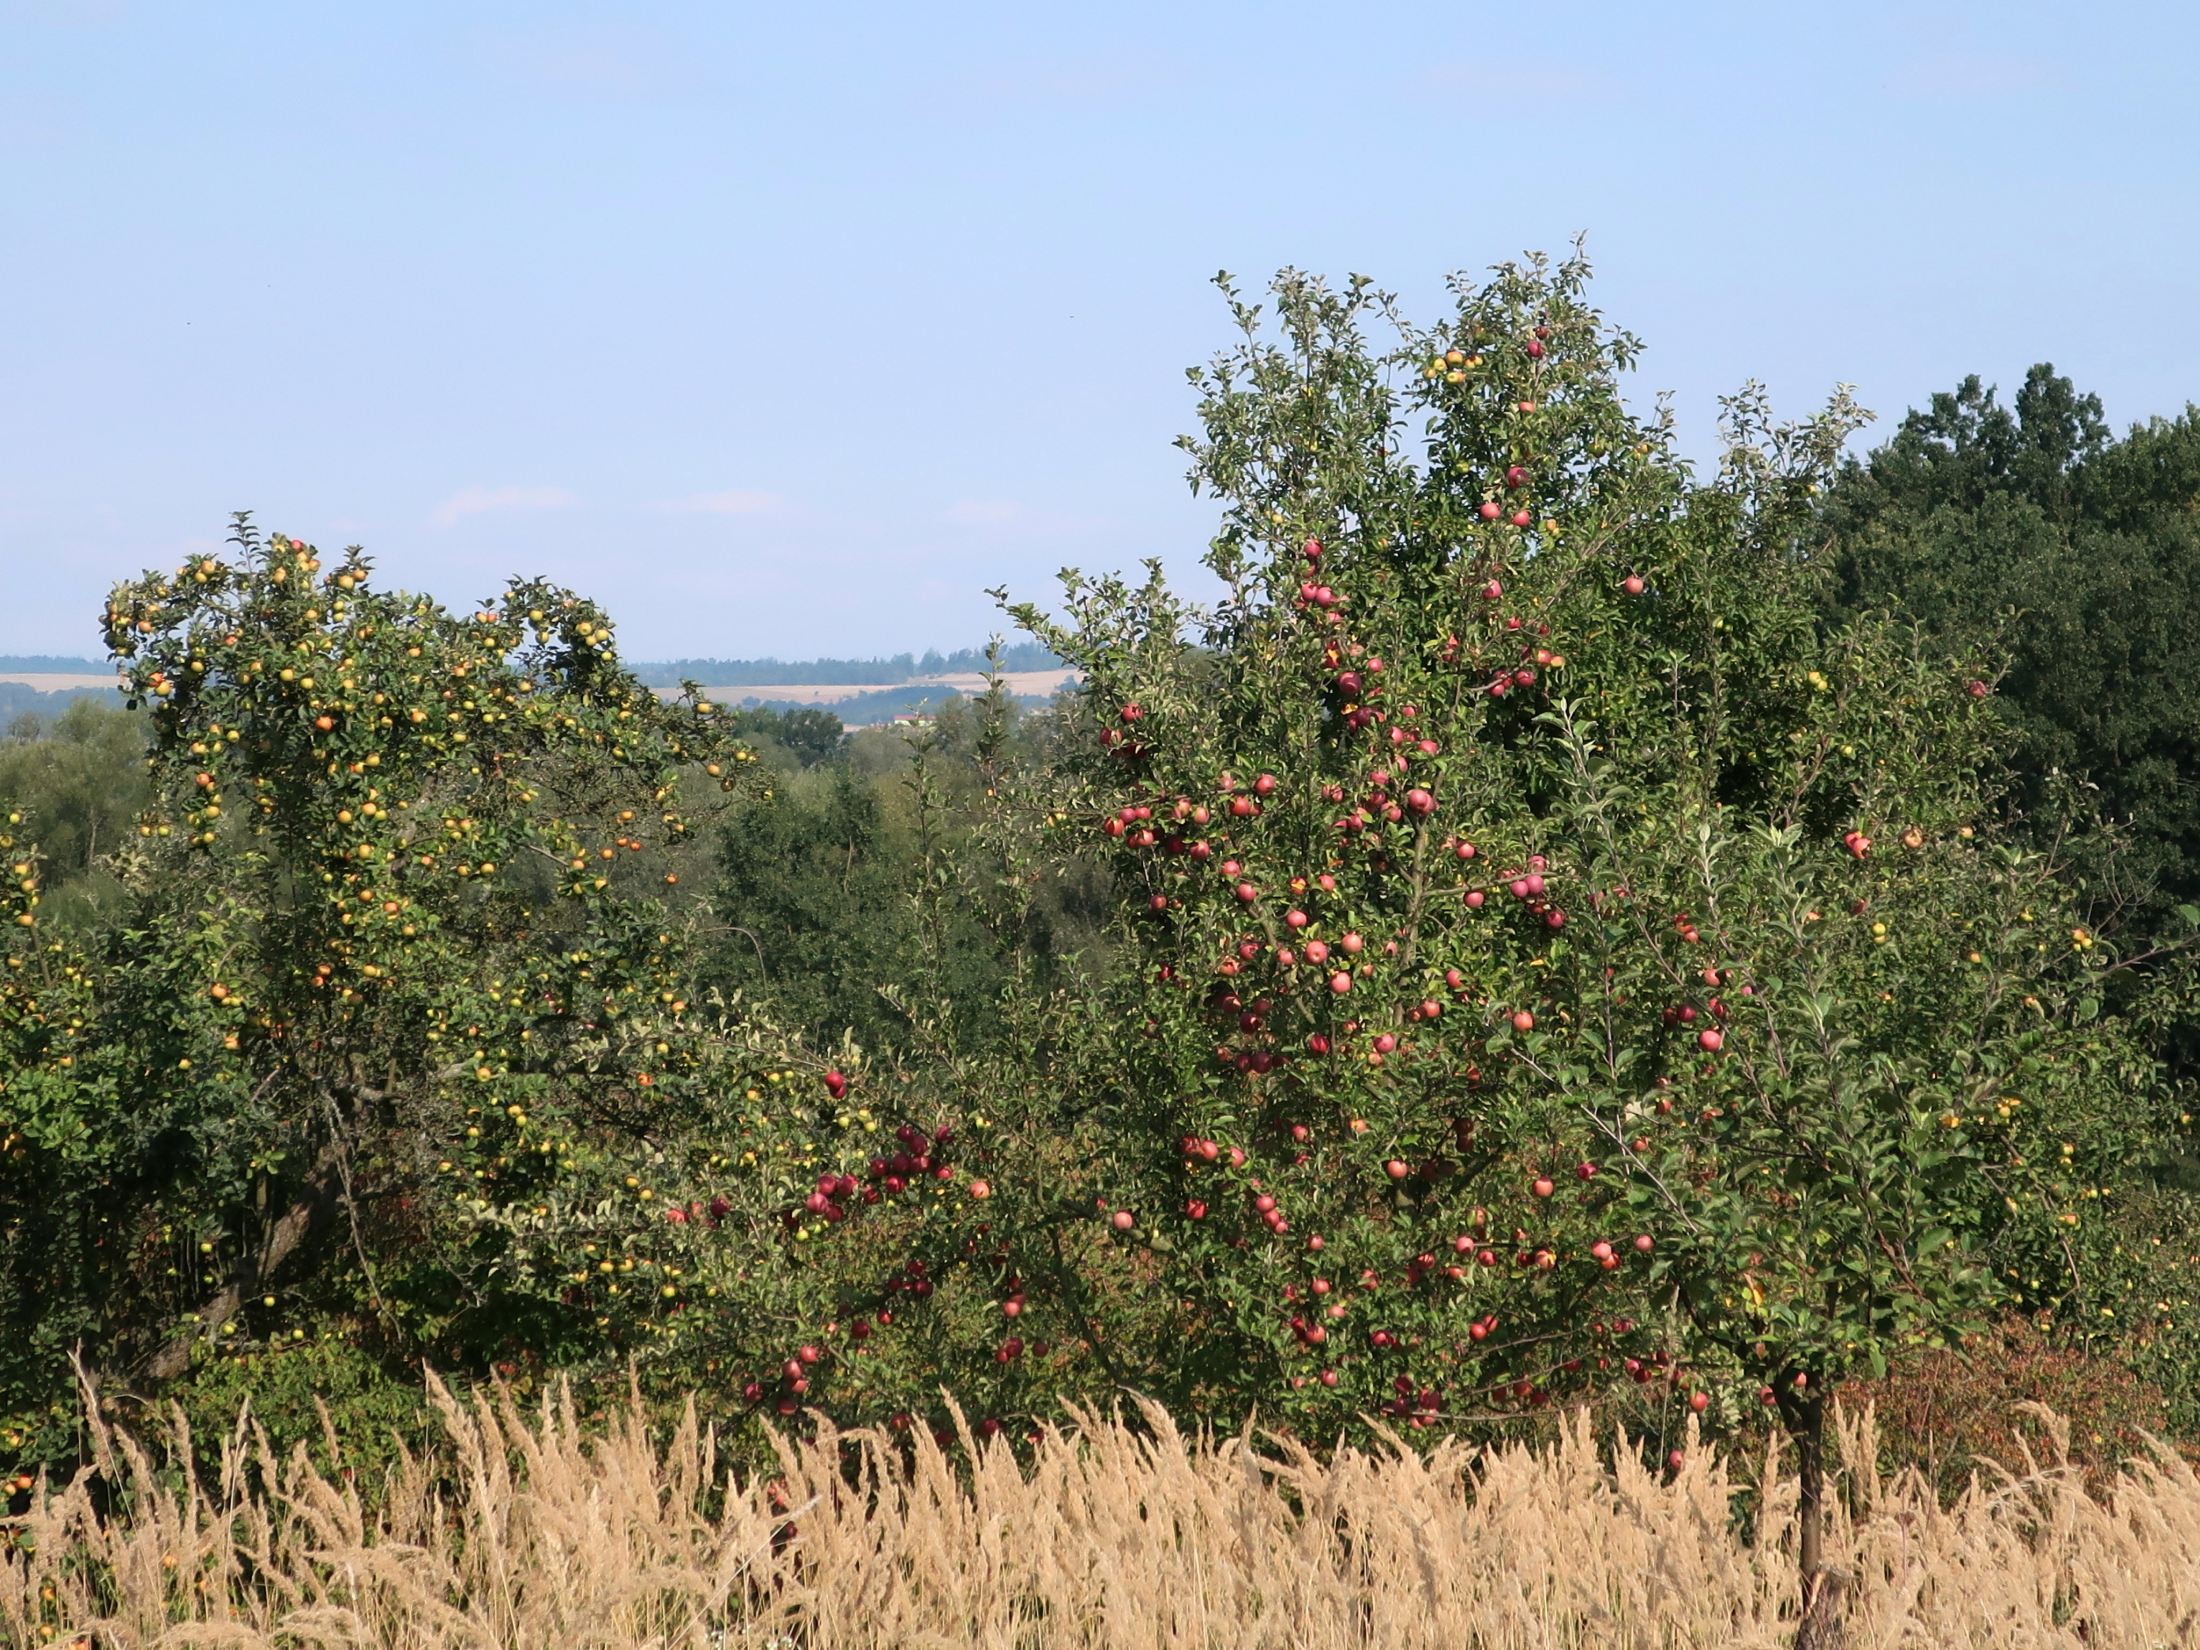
{"x": 2005, "y": 1393}
{"x": 326, "y": 1395}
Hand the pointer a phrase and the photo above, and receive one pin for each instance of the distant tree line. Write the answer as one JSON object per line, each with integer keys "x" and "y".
{"x": 20, "y": 698}
{"x": 50, "y": 664}
{"x": 17, "y": 699}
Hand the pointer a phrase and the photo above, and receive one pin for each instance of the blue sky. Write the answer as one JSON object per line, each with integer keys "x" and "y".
{"x": 790, "y": 329}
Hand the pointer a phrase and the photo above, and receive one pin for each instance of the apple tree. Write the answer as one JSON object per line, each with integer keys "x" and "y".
{"x": 1554, "y": 957}
{"x": 402, "y": 1031}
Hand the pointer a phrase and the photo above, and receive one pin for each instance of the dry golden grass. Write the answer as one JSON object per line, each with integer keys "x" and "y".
{"x": 527, "y": 1534}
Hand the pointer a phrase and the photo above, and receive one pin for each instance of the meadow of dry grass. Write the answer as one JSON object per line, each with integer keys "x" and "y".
{"x": 529, "y": 1532}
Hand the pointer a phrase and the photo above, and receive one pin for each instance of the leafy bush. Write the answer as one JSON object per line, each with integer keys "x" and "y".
{"x": 2066, "y": 562}
{"x": 325, "y": 1395}
{"x": 2004, "y": 1393}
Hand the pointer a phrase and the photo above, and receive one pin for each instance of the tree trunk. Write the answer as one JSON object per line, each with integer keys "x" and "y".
{"x": 291, "y": 1231}
{"x": 1823, "y": 1626}
{"x": 1806, "y": 1422}
{"x": 1822, "y": 1587}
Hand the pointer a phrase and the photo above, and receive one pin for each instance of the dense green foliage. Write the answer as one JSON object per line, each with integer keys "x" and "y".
{"x": 831, "y": 884}
{"x": 397, "y": 963}
{"x": 2065, "y": 565}
{"x": 82, "y": 772}
{"x": 2061, "y": 565}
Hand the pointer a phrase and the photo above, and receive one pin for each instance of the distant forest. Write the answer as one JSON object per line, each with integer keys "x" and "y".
{"x": 17, "y": 699}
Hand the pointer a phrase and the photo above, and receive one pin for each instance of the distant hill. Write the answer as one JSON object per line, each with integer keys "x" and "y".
{"x": 869, "y": 673}
{"x": 47, "y": 664}
{"x": 42, "y": 684}
{"x": 862, "y": 692}
{"x": 892, "y": 671}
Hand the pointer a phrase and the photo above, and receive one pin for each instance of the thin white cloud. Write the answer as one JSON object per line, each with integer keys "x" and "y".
{"x": 986, "y": 512}
{"x": 734, "y": 501}
{"x": 1971, "y": 74}
{"x": 476, "y": 501}
{"x": 1095, "y": 82}
{"x": 982, "y": 516}
{"x": 1544, "y": 80}
{"x": 617, "y": 63}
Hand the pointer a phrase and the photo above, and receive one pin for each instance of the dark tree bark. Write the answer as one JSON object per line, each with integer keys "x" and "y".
{"x": 307, "y": 1217}
{"x": 1806, "y": 1423}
